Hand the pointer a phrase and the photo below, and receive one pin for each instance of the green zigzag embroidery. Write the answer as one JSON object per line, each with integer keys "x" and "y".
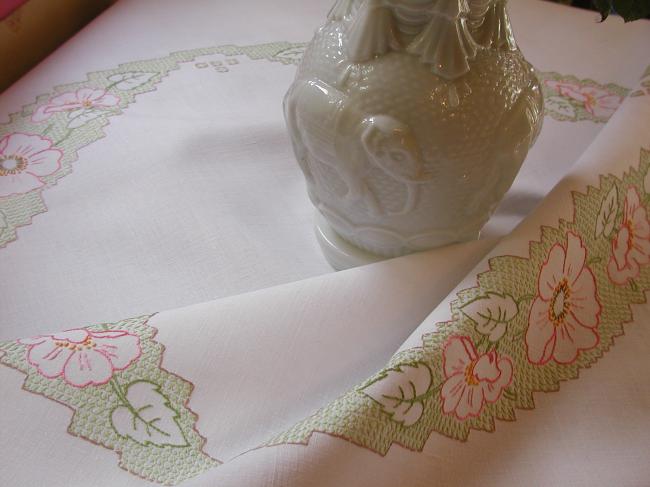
{"x": 18, "y": 210}
{"x": 644, "y": 89}
{"x": 362, "y": 420}
{"x": 93, "y": 408}
{"x": 566, "y": 109}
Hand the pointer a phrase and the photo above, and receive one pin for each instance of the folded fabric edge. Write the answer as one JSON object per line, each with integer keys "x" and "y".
{"x": 522, "y": 321}
{"x": 125, "y": 366}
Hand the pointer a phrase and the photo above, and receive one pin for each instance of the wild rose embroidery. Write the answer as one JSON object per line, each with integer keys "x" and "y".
{"x": 83, "y": 108}
{"x": 472, "y": 379}
{"x": 599, "y": 102}
{"x": 83, "y": 105}
{"x": 566, "y": 312}
{"x": 530, "y": 323}
{"x": 631, "y": 245}
{"x": 72, "y": 116}
{"x": 133, "y": 406}
{"x": 123, "y": 399}
{"x": 83, "y": 357}
{"x": 568, "y": 98}
{"x": 25, "y": 160}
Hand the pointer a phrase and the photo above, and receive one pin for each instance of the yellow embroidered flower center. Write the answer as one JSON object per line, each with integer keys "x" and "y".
{"x": 470, "y": 379}
{"x": 87, "y": 344}
{"x": 560, "y": 304}
{"x": 87, "y": 104}
{"x": 13, "y": 164}
{"x": 591, "y": 99}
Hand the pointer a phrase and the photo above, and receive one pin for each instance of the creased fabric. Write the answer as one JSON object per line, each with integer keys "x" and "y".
{"x": 158, "y": 175}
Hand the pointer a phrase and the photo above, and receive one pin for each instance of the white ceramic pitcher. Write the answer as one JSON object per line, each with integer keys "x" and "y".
{"x": 410, "y": 120}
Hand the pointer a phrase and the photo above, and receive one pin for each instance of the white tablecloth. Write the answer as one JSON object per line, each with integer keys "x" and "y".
{"x": 193, "y": 193}
{"x": 181, "y": 188}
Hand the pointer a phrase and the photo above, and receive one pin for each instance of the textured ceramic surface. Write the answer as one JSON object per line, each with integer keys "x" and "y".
{"x": 411, "y": 118}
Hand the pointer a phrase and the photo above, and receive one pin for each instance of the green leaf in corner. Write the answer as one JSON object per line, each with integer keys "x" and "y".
{"x": 129, "y": 81}
{"x": 491, "y": 314}
{"x": 147, "y": 417}
{"x": 401, "y": 392}
{"x": 607, "y": 214}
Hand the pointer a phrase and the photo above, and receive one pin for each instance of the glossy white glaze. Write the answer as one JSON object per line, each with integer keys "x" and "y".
{"x": 411, "y": 118}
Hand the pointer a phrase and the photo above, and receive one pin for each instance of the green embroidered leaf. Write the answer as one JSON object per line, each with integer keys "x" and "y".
{"x": 82, "y": 116}
{"x": 402, "y": 392}
{"x": 360, "y": 415}
{"x": 148, "y": 418}
{"x": 137, "y": 77}
{"x": 292, "y": 55}
{"x": 129, "y": 81}
{"x": 646, "y": 183}
{"x": 607, "y": 213}
{"x": 561, "y": 106}
{"x": 491, "y": 314}
{"x": 147, "y": 423}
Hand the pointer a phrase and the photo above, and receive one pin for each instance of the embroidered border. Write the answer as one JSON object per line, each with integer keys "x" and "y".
{"x": 74, "y": 115}
{"x": 570, "y": 99}
{"x": 111, "y": 377}
{"x": 529, "y": 324}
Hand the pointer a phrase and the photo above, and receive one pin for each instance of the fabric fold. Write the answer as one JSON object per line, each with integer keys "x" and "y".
{"x": 166, "y": 179}
{"x": 550, "y": 299}
{"x": 235, "y": 371}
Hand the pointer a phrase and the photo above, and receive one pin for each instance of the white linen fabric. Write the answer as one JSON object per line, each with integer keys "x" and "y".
{"x": 193, "y": 195}
{"x": 594, "y": 432}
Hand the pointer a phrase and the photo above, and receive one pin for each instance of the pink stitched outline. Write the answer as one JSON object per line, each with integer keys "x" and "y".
{"x": 90, "y": 382}
{"x": 499, "y": 358}
{"x": 74, "y": 156}
{"x": 203, "y": 439}
{"x": 58, "y": 163}
{"x": 586, "y": 267}
{"x": 490, "y": 268}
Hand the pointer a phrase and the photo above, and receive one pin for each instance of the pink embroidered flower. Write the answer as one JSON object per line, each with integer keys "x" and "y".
{"x": 84, "y": 99}
{"x": 472, "y": 379}
{"x": 631, "y": 247}
{"x": 566, "y": 312}
{"x": 597, "y": 101}
{"x": 24, "y": 160}
{"x": 83, "y": 357}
